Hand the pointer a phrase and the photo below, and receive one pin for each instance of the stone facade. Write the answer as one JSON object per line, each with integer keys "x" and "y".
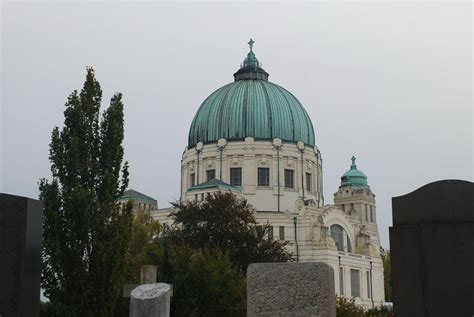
{"x": 307, "y": 228}
{"x": 250, "y": 155}
{"x": 344, "y": 236}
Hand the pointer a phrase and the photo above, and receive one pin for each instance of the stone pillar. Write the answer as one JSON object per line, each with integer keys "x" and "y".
{"x": 290, "y": 289}
{"x": 151, "y": 300}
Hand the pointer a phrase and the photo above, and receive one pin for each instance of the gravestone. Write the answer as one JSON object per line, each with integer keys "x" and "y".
{"x": 151, "y": 300}
{"x": 432, "y": 250}
{"x": 20, "y": 255}
{"x": 290, "y": 289}
{"x": 147, "y": 276}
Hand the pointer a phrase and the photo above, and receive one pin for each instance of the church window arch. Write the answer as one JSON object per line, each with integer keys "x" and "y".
{"x": 340, "y": 236}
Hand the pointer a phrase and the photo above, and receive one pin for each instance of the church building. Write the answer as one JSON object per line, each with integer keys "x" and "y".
{"x": 255, "y": 139}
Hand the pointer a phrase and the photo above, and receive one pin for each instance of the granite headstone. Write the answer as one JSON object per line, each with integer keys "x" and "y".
{"x": 20, "y": 255}
{"x": 432, "y": 250}
{"x": 290, "y": 289}
{"x": 151, "y": 300}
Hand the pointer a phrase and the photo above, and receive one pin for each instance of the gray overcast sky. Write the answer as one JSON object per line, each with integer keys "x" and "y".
{"x": 388, "y": 82}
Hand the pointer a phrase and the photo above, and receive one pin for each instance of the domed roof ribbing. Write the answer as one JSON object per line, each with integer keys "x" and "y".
{"x": 251, "y": 106}
{"x": 354, "y": 177}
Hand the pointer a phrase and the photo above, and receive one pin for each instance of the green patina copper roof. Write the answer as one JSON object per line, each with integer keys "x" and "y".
{"x": 354, "y": 177}
{"x": 214, "y": 183}
{"x": 251, "y": 106}
{"x": 139, "y": 197}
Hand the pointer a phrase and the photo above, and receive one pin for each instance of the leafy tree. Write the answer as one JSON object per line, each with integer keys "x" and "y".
{"x": 348, "y": 308}
{"x": 48, "y": 310}
{"x": 380, "y": 311}
{"x": 387, "y": 273}
{"x": 227, "y": 223}
{"x": 205, "y": 284}
{"x": 145, "y": 245}
{"x": 144, "y": 249}
{"x": 86, "y": 233}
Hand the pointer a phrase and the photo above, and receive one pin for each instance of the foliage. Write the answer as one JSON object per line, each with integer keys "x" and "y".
{"x": 227, "y": 223}
{"x": 387, "y": 273}
{"x": 205, "y": 284}
{"x": 348, "y": 308}
{"x": 144, "y": 248}
{"x": 86, "y": 232}
{"x": 145, "y": 245}
{"x": 380, "y": 311}
{"x": 47, "y": 309}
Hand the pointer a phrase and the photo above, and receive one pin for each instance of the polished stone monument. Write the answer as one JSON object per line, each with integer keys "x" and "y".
{"x": 20, "y": 255}
{"x": 432, "y": 250}
{"x": 290, "y": 289}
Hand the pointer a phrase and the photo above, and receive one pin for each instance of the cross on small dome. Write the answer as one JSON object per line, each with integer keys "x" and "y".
{"x": 250, "y": 43}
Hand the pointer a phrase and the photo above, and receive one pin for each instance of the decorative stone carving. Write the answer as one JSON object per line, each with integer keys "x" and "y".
{"x": 277, "y": 142}
{"x": 320, "y": 234}
{"x": 363, "y": 244}
{"x": 299, "y": 204}
{"x": 310, "y": 203}
{"x": 221, "y": 143}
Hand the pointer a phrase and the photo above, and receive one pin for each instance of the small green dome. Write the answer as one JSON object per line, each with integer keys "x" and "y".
{"x": 251, "y": 106}
{"x": 354, "y": 177}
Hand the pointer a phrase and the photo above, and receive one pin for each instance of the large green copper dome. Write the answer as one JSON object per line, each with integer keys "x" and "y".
{"x": 353, "y": 177}
{"x": 251, "y": 106}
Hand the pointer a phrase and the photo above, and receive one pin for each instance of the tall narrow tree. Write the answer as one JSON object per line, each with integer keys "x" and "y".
{"x": 86, "y": 233}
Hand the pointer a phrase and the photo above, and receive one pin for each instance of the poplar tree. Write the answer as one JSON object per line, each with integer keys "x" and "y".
{"x": 85, "y": 231}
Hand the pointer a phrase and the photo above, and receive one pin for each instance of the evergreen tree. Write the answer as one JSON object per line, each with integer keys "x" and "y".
{"x": 85, "y": 232}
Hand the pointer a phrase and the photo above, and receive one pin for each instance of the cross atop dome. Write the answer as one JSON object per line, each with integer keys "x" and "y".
{"x": 353, "y": 159}
{"x": 251, "y": 68}
{"x": 250, "y": 43}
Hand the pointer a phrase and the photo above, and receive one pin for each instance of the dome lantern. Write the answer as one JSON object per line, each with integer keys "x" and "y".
{"x": 251, "y": 68}
{"x": 354, "y": 177}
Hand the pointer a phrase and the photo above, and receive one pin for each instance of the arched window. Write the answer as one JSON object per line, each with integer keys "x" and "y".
{"x": 343, "y": 243}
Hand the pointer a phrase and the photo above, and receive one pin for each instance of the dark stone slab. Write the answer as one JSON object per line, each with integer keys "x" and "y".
{"x": 407, "y": 287}
{"x": 290, "y": 289}
{"x": 433, "y": 257}
{"x": 442, "y": 201}
{"x": 20, "y": 255}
